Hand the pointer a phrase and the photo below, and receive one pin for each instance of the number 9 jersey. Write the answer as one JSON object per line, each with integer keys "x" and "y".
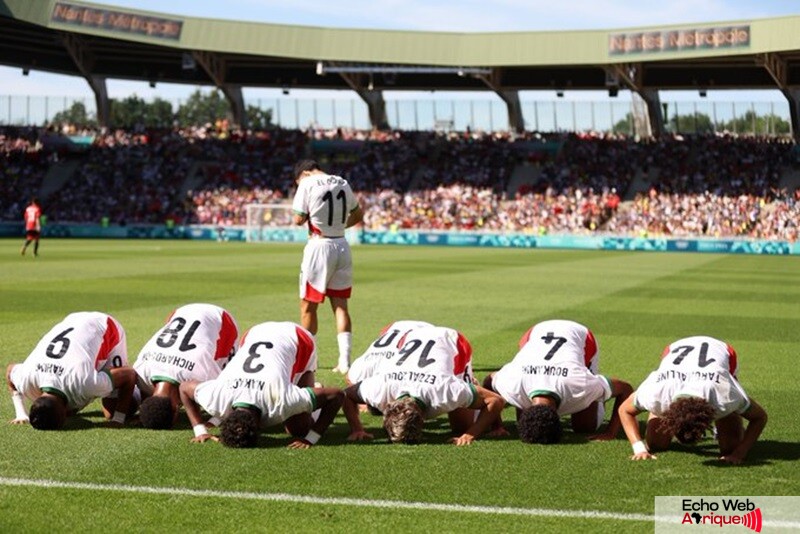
{"x": 195, "y": 344}
{"x": 73, "y": 360}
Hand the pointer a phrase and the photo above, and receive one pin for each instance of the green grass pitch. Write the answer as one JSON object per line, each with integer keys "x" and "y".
{"x": 634, "y": 302}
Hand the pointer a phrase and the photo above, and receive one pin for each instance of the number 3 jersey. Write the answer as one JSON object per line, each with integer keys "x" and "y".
{"x": 698, "y": 366}
{"x": 433, "y": 365}
{"x": 271, "y": 360}
{"x": 195, "y": 344}
{"x": 73, "y": 360}
{"x": 556, "y": 359}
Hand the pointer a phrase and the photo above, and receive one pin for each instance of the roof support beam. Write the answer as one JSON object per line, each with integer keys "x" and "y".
{"x": 214, "y": 65}
{"x": 511, "y": 98}
{"x": 775, "y": 65}
{"x": 84, "y": 60}
{"x": 631, "y": 76}
{"x": 376, "y": 104}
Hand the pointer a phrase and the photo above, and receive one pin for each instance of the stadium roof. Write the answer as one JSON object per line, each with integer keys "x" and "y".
{"x": 127, "y": 44}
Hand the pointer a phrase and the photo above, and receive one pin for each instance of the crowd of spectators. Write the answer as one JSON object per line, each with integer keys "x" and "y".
{"x": 711, "y": 186}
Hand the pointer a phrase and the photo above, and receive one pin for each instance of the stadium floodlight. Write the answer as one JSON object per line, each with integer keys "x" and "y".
{"x": 703, "y": 93}
{"x": 364, "y": 68}
{"x": 26, "y": 71}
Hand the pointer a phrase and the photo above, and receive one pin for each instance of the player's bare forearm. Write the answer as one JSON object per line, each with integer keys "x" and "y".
{"x": 124, "y": 379}
{"x": 490, "y": 405}
{"x": 187, "y": 399}
{"x": 355, "y": 217}
{"x": 9, "y": 383}
{"x": 330, "y": 400}
{"x": 622, "y": 390}
{"x": 299, "y": 219}
{"x": 627, "y": 413}
{"x": 757, "y": 420}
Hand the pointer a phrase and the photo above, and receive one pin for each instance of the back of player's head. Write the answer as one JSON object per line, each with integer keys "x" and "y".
{"x": 48, "y": 413}
{"x": 403, "y": 421}
{"x": 688, "y": 418}
{"x": 539, "y": 423}
{"x": 305, "y": 165}
{"x": 239, "y": 429}
{"x": 157, "y": 413}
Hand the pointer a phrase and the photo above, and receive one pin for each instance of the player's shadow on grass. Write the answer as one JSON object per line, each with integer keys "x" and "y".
{"x": 81, "y": 421}
{"x": 762, "y": 453}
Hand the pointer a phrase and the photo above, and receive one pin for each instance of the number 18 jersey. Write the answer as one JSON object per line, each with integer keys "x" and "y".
{"x": 195, "y": 344}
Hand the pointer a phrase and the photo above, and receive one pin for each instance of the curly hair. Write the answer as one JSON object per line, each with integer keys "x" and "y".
{"x": 403, "y": 421}
{"x": 539, "y": 424}
{"x": 688, "y": 418}
{"x": 47, "y": 413}
{"x": 157, "y": 413}
{"x": 239, "y": 429}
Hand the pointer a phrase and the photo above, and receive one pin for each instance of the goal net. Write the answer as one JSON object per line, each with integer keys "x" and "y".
{"x": 271, "y": 222}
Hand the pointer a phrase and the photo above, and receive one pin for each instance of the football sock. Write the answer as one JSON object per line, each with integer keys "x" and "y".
{"x": 344, "y": 348}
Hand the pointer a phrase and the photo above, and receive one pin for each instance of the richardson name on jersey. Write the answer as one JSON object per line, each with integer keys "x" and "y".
{"x": 50, "y": 368}
{"x": 169, "y": 359}
{"x": 410, "y": 376}
{"x": 694, "y": 376}
{"x": 246, "y": 383}
{"x": 545, "y": 370}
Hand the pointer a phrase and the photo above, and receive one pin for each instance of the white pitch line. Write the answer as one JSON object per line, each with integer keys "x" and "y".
{"x": 338, "y": 501}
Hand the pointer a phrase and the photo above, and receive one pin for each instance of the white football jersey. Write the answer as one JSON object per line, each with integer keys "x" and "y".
{"x": 437, "y": 394}
{"x": 73, "y": 360}
{"x": 263, "y": 373}
{"x": 195, "y": 344}
{"x": 327, "y": 200}
{"x": 555, "y": 359}
{"x": 698, "y": 366}
{"x": 434, "y": 351}
{"x": 384, "y": 348}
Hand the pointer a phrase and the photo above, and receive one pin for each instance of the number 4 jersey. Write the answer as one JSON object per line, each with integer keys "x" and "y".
{"x": 73, "y": 360}
{"x": 195, "y": 344}
{"x": 698, "y": 366}
{"x": 556, "y": 359}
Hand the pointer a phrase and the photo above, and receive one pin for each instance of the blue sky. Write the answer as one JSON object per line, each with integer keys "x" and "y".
{"x": 432, "y": 15}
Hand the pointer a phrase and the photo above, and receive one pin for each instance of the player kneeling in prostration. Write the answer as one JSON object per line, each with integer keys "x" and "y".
{"x": 263, "y": 386}
{"x": 195, "y": 344}
{"x": 555, "y": 374}
{"x": 431, "y": 375}
{"x": 81, "y": 358}
{"x": 694, "y": 386}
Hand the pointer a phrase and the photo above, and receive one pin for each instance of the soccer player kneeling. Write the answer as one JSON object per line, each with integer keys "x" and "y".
{"x": 82, "y": 358}
{"x": 554, "y": 374}
{"x": 694, "y": 386}
{"x": 261, "y": 387}
{"x": 431, "y": 375}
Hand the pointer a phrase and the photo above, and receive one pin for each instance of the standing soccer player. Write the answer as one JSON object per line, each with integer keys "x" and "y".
{"x": 328, "y": 206}
{"x": 81, "y": 358}
{"x": 33, "y": 226}
{"x": 195, "y": 344}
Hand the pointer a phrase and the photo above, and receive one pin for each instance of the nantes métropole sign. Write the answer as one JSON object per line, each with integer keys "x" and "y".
{"x": 117, "y": 21}
{"x": 684, "y": 40}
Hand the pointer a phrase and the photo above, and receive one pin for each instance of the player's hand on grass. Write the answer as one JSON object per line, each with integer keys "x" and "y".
{"x": 22, "y": 421}
{"x": 299, "y": 444}
{"x": 644, "y": 456}
{"x": 732, "y": 459}
{"x": 464, "y": 439}
{"x": 359, "y": 435}
{"x": 203, "y": 438}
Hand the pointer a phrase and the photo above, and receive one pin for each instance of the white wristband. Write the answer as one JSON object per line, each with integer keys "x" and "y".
{"x": 19, "y": 405}
{"x": 119, "y": 417}
{"x": 312, "y": 437}
{"x": 639, "y": 447}
{"x": 199, "y": 430}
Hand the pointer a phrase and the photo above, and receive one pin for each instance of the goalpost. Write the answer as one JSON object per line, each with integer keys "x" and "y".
{"x": 271, "y": 222}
